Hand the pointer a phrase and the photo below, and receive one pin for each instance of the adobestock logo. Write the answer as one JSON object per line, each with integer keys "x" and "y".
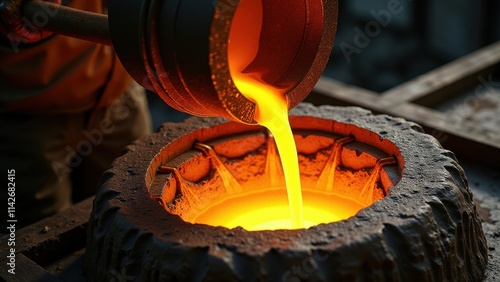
{"x": 372, "y": 29}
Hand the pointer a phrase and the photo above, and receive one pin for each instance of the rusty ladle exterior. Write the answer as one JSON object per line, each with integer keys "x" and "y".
{"x": 178, "y": 48}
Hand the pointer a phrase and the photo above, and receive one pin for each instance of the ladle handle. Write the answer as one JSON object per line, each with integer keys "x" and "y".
{"x": 68, "y": 21}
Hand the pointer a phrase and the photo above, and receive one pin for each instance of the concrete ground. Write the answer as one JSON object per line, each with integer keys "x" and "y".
{"x": 485, "y": 185}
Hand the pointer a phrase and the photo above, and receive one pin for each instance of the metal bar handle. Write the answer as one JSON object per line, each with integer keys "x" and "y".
{"x": 68, "y": 21}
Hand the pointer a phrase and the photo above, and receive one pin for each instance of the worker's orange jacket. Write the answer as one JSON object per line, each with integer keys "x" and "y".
{"x": 60, "y": 74}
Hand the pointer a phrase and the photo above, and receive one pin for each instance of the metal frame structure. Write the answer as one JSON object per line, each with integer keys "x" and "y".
{"x": 414, "y": 100}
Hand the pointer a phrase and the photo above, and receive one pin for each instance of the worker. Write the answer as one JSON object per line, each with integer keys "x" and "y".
{"x": 67, "y": 109}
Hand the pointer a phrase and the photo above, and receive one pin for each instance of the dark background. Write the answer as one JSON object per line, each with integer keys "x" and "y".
{"x": 422, "y": 36}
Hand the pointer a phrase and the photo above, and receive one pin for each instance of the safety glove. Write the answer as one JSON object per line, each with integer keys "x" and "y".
{"x": 20, "y": 29}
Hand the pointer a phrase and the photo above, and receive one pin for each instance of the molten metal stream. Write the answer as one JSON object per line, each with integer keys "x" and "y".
{"x": 271, "y": 102}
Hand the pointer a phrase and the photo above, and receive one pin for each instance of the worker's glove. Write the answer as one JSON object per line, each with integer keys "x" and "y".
{"x": 19, "y": 29}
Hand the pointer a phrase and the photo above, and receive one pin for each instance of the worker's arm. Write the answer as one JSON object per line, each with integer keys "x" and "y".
{"x": 18, "y": 28}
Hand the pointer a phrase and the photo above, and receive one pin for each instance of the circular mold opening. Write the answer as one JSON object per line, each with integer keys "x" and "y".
{"x": 237, "y": 180}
